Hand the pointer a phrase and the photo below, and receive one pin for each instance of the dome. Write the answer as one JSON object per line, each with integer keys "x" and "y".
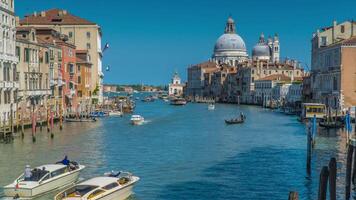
{"x": 260, "y": 50}
{"x": 230, "y": 42}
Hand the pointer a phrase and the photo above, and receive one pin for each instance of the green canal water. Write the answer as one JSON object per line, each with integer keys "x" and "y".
{"x": 189, "y": 153}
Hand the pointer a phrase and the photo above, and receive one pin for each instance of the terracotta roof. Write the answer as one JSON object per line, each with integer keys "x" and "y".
{"x": 275, "y": 77}
{"x": 350, "y": 41}
{"x": 54, "y": 16}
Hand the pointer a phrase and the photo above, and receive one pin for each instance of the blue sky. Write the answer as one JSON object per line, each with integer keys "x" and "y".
{"x": 150, "y": 39}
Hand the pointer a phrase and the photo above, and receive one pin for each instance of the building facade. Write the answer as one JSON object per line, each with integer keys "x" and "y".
{"x": 175, "y": 88}
{"x": 8, "y": 63}
{"x": 333, "y": 65}
{"x": 33, "y": 75}
{"x": 83, "y": 34}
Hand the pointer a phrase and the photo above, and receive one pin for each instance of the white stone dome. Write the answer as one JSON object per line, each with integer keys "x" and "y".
{"x": 229, "y": 42}
{"x": 261, "y": 50}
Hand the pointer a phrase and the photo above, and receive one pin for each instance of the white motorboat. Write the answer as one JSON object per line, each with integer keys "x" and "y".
{"x": 44, "y": 179}
{"x": 211, "y": 106}
{"x": 111, "y": 187}
{"x": 115, "y": 113}
{"x": 137, "y": 119}
{"x": 178, "y": 102}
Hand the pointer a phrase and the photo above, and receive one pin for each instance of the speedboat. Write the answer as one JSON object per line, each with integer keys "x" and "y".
{"x": 115, "y": 113}
{"x": 44, "y": 179}
{"x": 113, "y": 186}
{"x": 137, "y": 119}
{"x": 211, "y": 106}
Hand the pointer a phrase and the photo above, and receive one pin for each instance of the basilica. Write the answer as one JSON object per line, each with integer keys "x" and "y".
{"x": 230, "y": 48}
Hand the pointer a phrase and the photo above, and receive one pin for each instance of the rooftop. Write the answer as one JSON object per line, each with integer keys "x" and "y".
{"x": 54, "y": 17}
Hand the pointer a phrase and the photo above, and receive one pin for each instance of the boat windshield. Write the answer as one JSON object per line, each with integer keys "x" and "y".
{"x": 37, "y": 175}
{"x": 79, "y": 190}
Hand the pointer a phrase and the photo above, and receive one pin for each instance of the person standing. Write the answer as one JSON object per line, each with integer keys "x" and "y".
{"x": 28, "y": 173}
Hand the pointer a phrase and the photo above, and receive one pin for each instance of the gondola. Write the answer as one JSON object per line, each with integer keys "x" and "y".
{"x": 234, "y": 121}
{"x": 331, "y": 125}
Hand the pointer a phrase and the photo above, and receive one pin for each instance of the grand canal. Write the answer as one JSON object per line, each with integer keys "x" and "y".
{"x": 189, "y": 153}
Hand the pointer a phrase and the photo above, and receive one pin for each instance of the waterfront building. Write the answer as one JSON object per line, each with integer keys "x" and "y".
{"x": 8, "y": 64}
{"x": 33, "y": 75}
{"x": 110, "y": 88}
{"x": 83, "y": 34}
{"x": 199, "y": 78}
{"x": 230, "y": 48}
{"x": 294, "y": 96}
{"x": 84, "y": 67}
{"x": 175, "y": 88}
{"x": 67, "y": 73}
{"x": 333, "y": 65}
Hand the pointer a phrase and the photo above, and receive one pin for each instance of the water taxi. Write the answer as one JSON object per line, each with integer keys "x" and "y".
{"x": 178, "y": 102}
{"x": 113, "y": 186}
{"x": 137, "y": 119}
{"x": 44, "y": 179}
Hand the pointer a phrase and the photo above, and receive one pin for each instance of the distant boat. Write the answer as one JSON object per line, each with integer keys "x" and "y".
{"x": 211, "y": 106}
{"x": 178, "y": 102}
{"x": 80, "y": 120}
{"x": 234, "y": 121}
{"x": 331, "y": 125}
{"x": 137, "y": 120}
{"x": 115, "y": 113}
{"x": 148, "y": 99}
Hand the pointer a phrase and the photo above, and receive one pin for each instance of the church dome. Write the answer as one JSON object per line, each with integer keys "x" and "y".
{"x": 261, "y": 50}
{"x": 229, "y": 42}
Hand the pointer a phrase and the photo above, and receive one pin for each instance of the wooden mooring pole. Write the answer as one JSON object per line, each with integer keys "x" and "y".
{"x": 323, "y": 183}
{"x": 348, "y": 171}
{"x": 332, "y": 178}
{"x": 293, "y": 196}
{"x": 309, "y": 151}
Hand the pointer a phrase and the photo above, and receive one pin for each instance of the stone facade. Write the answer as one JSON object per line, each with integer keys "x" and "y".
{"x": 175, "y": 88}
{"x": 333, "y": 65}
{"x": 8, "y": 63}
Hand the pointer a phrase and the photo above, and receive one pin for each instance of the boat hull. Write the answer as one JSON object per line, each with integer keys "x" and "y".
{"x": 34, "y": 190}
{"x": 136, "y": 122}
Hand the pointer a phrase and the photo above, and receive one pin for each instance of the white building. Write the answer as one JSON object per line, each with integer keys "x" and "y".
{"x": 8, "y": 61}
{"x": 230, "y": 48}
{"x": 175, "y": 87}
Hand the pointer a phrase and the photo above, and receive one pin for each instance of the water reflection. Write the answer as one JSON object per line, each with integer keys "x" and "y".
{"x": 189, "y": 153}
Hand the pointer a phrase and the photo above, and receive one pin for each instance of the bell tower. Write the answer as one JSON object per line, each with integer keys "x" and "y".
{"x": 275, "y": 49}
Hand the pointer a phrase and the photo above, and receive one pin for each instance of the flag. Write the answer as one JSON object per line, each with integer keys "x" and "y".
{"x": 106, "y": 47}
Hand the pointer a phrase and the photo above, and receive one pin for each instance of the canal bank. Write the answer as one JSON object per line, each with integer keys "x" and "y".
{"x": 189, "y": 153}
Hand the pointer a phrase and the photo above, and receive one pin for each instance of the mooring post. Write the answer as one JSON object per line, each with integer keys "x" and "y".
{"x": 52, "y": 135}
{"x": 60, "y": 117}
{"x": 332, "y": 178}
{"x": 293, "y": 196}
{"x": 323, "y": 184}
{"x": 33, "y": 125}
{"x": 48, "y": 120}
{"x": 309, "y": 146}
{"x": 348, "y": 171}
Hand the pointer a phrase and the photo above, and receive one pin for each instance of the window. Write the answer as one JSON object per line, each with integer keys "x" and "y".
{"x": 323, "y": 41}
{"x": 70, "y": 34}
{"x": 88, "y": 35}
{"x": 88, "y": 45}
{"x": 18, "y": 52}
{"x": 27, "y": 55}
{"x": 59, "y": 172}
{"x": 47, "y": 57}
{"x": 342, "y": 29}
{"x": 110, "y": 186}
{"x": 59, "y": 55}
{"x": 78, "y": 68}
{"x": 79, "y": 80}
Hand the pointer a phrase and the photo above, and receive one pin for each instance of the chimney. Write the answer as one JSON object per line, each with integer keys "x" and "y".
{"x": 43, "y": 14}
{"x": 35, "y": 14}
{"x": 64, "y": 12}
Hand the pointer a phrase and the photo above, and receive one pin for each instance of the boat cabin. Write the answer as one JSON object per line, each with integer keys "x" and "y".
{"x": 45, "y": 172}
{"x": 311, "y": 109}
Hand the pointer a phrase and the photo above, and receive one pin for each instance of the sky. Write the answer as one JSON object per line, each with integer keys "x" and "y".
{"x": 151, "y": 39}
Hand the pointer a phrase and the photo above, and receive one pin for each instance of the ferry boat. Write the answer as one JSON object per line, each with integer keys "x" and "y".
{"x": 178, "y": 102}
{"x": 137, "y": 120}
{"x": 44, "y": 179}
{"x": 110, "y": 187}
